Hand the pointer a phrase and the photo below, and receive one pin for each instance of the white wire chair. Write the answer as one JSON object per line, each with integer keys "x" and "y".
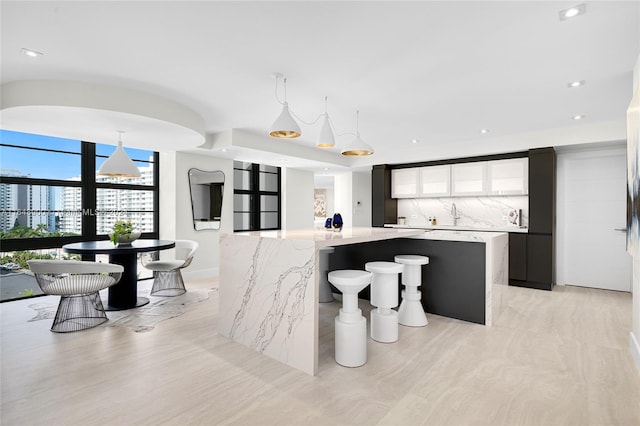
{"x": 77, "y": 283}
{"x": 167, "y": 279}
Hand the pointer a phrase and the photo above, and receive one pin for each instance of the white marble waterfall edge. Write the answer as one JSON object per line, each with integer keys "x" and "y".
{"x": 269, "y": 298}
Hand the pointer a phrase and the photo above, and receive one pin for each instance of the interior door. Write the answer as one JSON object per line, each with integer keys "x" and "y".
{"x": 594, "y": 219}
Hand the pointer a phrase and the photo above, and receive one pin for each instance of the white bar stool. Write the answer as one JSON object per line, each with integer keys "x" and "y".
{"x": 324, "y": 289}
{"x": 384, "y": 295}
{"x": 350, "y": 325}
{"x": 411, "y": 312}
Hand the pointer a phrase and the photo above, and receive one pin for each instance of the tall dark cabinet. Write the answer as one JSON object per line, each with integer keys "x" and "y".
{"x": 532, "y": 255}
{"x": 385, "y": 208}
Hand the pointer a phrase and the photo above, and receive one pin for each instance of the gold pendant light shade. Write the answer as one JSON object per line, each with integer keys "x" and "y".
{"x": 326, "y": 138}
{"x": 358, "y": 148}
{"x": 119, "y": 164}
{"x": 285, "y": 127}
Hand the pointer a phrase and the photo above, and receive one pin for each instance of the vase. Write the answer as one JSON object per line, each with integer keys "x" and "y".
{"x": 125, "y": 241}
{"x": 337, "y": 222}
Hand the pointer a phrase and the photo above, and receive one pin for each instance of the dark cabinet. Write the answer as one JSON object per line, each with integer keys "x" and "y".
{"x": 540, "y": 261}
{"x": 384, "y": 209}
{"x": 531, "y": 256}
{"x": 542, "y": 190}
{"x": 518, "y": 257}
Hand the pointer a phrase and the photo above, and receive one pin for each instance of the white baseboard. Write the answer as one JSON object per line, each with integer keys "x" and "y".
{"x": 634, "y": 347}
{"x": 200, "y": 274}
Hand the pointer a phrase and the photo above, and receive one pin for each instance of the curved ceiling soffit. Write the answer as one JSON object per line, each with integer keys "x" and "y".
{"x": 95, "y": 113}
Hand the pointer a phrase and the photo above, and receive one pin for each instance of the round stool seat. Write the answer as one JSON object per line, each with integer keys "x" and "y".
{"x": 384, "y": 267}
{"x": 350, "y": 280}
{"x": 411, "y": 259}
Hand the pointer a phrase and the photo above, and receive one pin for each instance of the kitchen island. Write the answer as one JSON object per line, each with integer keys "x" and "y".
{"x": 269, "y": 283}
{"x": 269, "y": 288}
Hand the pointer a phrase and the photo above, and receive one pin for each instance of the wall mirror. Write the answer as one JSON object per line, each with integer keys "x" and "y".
{"x": 206, "y": 198}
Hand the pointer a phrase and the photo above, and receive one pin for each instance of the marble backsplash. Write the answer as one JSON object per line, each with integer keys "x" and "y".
{"x": 480, "y": 212}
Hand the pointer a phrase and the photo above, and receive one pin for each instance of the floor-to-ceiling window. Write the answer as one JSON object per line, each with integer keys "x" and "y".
{"x": 51, "y": 195}
{"x": 256, "y": 197}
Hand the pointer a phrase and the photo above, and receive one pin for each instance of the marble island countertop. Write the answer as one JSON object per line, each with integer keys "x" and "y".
{"x": 325, "y": 237}
{"x": 458, "y": 235}
{"x": 459, "y": 228}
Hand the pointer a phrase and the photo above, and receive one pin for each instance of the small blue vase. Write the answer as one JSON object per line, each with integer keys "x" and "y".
{"x": 337, "y": 221}
{"x": 327, "y": 223}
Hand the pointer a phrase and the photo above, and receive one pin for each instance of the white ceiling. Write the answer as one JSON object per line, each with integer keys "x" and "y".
{"x": 438, "y": 72}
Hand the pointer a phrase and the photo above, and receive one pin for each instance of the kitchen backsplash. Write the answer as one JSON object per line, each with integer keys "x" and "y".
{"x": 481, "y": 212}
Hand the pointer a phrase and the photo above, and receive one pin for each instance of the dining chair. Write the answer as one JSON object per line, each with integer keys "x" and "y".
{"x": 167, "y": 279}
{"x": 77, "y": 283}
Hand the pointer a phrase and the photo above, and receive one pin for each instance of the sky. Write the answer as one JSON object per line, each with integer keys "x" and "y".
{"x": 50, "y": 165}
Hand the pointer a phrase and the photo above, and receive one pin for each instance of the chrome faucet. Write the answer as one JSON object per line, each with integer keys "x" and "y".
{"x": 454, "y": 214}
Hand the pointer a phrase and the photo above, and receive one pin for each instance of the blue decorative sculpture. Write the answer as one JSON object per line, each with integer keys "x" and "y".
{"x": 337, "y": 221}
{"x": 327, "y": 223}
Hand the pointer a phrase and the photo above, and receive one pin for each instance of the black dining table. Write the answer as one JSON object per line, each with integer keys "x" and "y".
{"x": 124, "y": 294}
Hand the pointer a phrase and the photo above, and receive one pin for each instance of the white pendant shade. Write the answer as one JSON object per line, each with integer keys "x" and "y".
{"x": 285, "y": 126}
{"x": 357, "y": 148}
{"x": 119, "y": 164}
{"x": 326, "y": 138}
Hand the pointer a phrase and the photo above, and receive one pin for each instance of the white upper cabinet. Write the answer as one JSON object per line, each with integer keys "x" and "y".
{"x": 508, "y": 177}
{"x": 497, "y": 177}
{"x": 469, "y": 179}
{"x": 435, "y": 181}
{"x": 404, "y": 183}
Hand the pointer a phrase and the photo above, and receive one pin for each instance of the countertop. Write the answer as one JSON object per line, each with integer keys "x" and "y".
{"x": 458, "y": 228}
{"x": 324, "y": 237}
{"x": 459, "y": 235}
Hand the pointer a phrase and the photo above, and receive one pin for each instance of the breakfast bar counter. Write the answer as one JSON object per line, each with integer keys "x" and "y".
{"x": 269, "y": 280}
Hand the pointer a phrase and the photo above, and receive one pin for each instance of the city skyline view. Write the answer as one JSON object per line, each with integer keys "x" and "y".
{"x": 50, "y": 165}
{"x": 60, "y": 207}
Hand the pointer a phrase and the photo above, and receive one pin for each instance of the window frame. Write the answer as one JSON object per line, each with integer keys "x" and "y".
{"x": 255, "y": 200}
{"x": 88, "y": 187}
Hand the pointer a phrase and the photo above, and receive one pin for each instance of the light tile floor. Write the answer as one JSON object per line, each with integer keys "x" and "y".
{"x": 551, "y": 358}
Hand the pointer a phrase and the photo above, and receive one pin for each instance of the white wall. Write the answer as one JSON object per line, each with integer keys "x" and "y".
{"x": 361, "y": 199}
{"x": 176, "y": 221}
{"x": 352, "y": 192}
{"x": 297, "y": 199}
{"x": 342, "y": 190}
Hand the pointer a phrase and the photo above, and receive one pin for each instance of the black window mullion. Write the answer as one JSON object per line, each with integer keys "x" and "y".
{"x": 255, "y": 197}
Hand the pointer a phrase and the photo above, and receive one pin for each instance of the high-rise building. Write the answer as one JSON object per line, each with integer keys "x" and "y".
{"x": 26, "y": 205}
{"x": 112, "y": 204}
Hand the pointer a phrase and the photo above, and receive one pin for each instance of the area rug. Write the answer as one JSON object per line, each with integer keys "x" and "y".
{"x": 141, "y": 319}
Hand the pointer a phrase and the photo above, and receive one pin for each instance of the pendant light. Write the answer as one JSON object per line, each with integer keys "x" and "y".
{"x": 326, "y": 139}
{"x": 358, "y": 148}
{"x": 285, "y": 127}
{"x": 119, "y": 164}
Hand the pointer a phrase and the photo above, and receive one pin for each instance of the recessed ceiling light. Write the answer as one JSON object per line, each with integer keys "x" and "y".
{"x": 31, "y": 53}
{"x": 483, "y": 131}
{"x": 578, "y": 117}
{"x": 224, "y": 150}
{"x": 415, "y": 140}
{"x": 572, "y": 12}
{"x": 576, "y": 83}
{"x": 326, "y": 168}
